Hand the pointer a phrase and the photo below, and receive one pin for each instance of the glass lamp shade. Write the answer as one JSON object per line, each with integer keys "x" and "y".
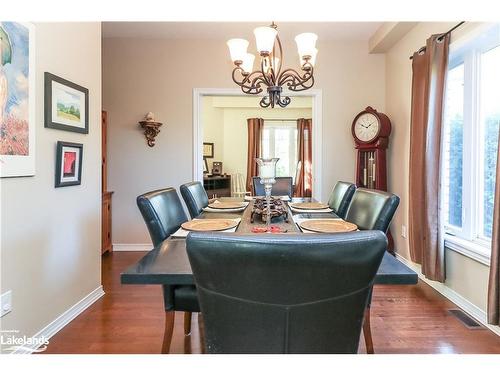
{"x": 267, "y": 168}
{"x": 264, "y": 37}
{"x": 247, "y": 65}
{"x": 237, "y": 49}
{"x": 312, "y": 60}
{"x": 306, "y": 43}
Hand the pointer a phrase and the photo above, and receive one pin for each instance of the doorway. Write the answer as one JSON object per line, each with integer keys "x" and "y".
{"x": 220, "y": 133}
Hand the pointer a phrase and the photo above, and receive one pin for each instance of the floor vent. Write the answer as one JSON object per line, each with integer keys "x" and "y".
{"x": 465, "y": 319}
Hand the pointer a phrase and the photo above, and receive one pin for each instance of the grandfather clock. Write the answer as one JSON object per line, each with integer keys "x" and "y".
{"x": 371, "y": 130}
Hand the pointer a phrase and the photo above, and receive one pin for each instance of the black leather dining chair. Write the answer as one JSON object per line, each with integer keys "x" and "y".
{"x": 163, "y": 214}
{"x": 341, "y": 197}
{"x": 283, "y": 186}
{"x": 195, "y": 197}
{"x": 293, "y": 293}
{"x": 372, "y": 209}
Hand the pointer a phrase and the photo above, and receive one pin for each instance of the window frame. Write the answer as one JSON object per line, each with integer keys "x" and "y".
{"x": 469, "y": 240}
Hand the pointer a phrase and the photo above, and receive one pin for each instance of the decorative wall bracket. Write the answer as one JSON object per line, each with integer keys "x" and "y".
{"x": 151, "y": 128}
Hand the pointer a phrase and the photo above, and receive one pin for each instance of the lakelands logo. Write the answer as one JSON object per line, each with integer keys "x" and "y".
{"x": 10, "y": 342}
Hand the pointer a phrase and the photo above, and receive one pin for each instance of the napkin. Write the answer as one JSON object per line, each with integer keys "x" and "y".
{"x": 182, "y": 233}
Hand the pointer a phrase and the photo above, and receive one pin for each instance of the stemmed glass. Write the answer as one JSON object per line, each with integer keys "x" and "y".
{"x": 267, "y": 174}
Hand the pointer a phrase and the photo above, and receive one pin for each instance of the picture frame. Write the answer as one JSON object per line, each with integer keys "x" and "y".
{"x": 208, "y": 150}
{"x": 66, "y": 105}
{"x": 69, "y": 160}
{"x": 217, "y": 168}
{"x": 17, "y": 99}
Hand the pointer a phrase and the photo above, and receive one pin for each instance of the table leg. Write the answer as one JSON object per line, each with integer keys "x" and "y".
{"x": 187, "y": 323}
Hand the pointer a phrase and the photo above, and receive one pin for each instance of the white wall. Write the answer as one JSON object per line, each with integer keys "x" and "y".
{"x": 141, "y": 75}
{"x": 50, "y": 245}
{"x": 225, "y": 124}
{"x": 464, "y": 275}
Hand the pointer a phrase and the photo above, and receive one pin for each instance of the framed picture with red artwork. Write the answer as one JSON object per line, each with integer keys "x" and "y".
{"x": 69, "y": 157}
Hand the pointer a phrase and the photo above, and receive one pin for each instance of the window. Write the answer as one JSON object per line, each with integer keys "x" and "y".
{"x": 470, "y": 144}
{"x": 279, "y": 140}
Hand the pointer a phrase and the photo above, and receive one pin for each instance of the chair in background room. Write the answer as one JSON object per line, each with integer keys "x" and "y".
{"x": 341, "y": 197}
{"x": 163, "y": 214}
{"x": 283, "y": 186}
{"x": 289, "y": 294}
{"x": 195, "y": 197}
{"x": 238, "y": 187}
{"x": 298, "y": 177}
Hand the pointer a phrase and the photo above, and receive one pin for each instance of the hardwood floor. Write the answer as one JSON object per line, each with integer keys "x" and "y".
{"x": 130, "y": 319}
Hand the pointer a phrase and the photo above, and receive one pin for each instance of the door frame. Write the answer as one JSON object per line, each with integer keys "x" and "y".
{"x": 317, "y": 133}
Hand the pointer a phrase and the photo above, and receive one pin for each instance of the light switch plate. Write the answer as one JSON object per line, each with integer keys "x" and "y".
{"x": 6, "y": 303}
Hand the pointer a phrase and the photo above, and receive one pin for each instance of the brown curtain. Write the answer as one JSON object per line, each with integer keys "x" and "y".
{"x": 255, "y": 126}
{"x": 428, "y": 85}
{"x": 494, "y": 281}
{"x": 304, "y": 182}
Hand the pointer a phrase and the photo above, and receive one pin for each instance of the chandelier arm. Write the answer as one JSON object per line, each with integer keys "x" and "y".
{"x": 294, "y": 80}
{"x": 264, "y": 74}
{"x": 281, "y": 56}
{"x": 248, "y": 85}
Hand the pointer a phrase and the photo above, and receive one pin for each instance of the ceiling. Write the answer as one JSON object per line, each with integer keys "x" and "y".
{"x": 225, "y": 30}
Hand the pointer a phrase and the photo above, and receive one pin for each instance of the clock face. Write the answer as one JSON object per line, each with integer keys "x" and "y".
{"x": 367, "y": 127}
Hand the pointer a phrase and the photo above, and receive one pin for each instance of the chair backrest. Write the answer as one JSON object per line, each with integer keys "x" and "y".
{"x": 341, "y": 197}
{"x": 238, "y": 185}
{"x": 372, "y": 209}
{"x": 298, "y": 177}
{"x": 162, "y": 212}
{"x": 293, "y": 293}
{"x": 195, "y": 197}
{"x": 283, "y": 186}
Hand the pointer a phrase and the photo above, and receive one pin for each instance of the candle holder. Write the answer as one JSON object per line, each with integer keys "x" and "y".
{"x": 267, "y": 174}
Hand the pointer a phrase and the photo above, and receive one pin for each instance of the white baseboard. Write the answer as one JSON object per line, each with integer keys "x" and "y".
{"x": 453, "y": 296}
{"x": 62, "y": 320}
{"x": 132, "y": 246}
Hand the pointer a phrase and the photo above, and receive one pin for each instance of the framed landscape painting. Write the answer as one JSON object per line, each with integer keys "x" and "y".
{"x": 68, "y": 164}
{"x": 66, "y": 105}
{"x": 17, "y": 99}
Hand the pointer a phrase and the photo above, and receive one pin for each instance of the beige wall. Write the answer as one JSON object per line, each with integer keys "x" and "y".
{"x": 50, "y": 245}
{"x": 225, "y": 124}
{"x": 141, "y": 75}
{"x": 464, "y": 275}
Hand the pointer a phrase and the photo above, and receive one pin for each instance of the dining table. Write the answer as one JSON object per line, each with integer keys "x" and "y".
{"x": 168, "y": 263}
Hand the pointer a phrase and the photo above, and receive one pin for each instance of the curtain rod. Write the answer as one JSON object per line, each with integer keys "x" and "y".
{"x": 441, "y": 36}
{"x": 280, "y": 119}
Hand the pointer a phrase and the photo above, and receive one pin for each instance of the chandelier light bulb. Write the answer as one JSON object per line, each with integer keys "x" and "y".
{"x": 306, "y": 44}
{"x": 312, "y": 60}
{"x": 247, "y": 65}
{"x": 264, "y": 38}
{"x": 238, "y": 49}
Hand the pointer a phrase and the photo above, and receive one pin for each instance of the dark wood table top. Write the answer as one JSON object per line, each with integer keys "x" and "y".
{"x": 169, "y": 263}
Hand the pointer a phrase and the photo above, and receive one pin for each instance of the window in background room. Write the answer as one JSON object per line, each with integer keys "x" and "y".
{"x": 279, "y": 140}
{"x": 470, "y": 144}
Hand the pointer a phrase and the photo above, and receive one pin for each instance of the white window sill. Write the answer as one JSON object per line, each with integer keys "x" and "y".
{"x": 473, "y": 250}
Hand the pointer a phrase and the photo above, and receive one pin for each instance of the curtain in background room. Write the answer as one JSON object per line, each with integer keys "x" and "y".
{"x": 304, "y": 135}
{"x": 428, "y": 87}
{"x": 255, "y": 126}
{"x": 494, "y": 281}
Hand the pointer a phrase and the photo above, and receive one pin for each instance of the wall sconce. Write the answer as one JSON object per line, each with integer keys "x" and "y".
{"x": 151, "y": 128}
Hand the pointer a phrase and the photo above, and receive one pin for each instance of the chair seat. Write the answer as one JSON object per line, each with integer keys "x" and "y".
{"x": 186, "y": 298}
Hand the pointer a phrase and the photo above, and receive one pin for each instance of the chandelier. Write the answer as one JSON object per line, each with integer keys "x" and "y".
{"x": 270, "y": 73}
